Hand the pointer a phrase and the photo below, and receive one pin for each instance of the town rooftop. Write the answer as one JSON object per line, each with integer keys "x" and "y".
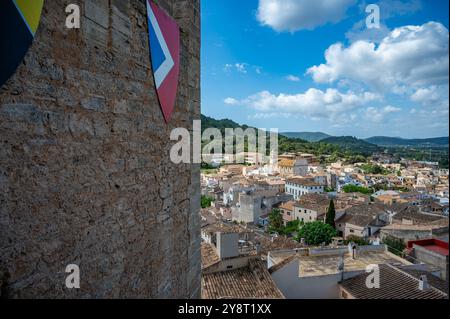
{"x": 311, "y": 266}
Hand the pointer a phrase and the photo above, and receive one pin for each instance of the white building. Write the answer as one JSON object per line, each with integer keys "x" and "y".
{"x": 316, "y": 273}
{"x": 298, "y": 187}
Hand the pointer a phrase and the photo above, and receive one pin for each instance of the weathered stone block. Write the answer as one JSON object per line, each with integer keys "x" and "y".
{"x": 94, "y": 103}
{"x": 94, "y": 32}
{"x": 97, "y": 11}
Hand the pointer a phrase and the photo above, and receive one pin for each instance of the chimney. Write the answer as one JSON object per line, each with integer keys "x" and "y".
{"x": 227, "y": 245}
{"x": 355, "y": 252}
{"x": 423, "y": 283}
{"x": 352, "y": 250}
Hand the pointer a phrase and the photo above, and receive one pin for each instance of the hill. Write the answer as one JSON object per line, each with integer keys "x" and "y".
{"x": 291, "y": 144}
{"x": 395, "y": 141}
{"x": 307, "y": 136}
{"x": 348, "y": 148}
{"x": 209, "y": 122}
{"x": 352, "y": 144}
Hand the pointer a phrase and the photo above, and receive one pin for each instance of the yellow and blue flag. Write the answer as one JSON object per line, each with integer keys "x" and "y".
{"x": 19, "y": 20}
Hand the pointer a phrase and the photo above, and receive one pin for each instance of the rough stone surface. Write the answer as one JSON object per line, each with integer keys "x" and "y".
{"x": 85, "y": 174}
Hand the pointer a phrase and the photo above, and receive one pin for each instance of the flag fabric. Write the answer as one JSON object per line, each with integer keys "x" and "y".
{"x": 164, "y": 39}
{"x": 19, "y": 20}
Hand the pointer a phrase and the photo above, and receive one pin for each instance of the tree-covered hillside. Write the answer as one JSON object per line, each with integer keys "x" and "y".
{"x": 349, "y": 143}
{"x": 307, "y": 136}
{"x": 347, "y": 148}
{"x": 395, "y": 141}
{"x": 325, "y": 151}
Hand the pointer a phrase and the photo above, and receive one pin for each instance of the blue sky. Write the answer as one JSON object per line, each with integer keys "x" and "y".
{"x": 301, "y": 65}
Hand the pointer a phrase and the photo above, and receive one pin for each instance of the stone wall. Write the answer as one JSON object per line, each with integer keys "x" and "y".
{"x": 85, "y": 174}
{"x": 430, "y": 257}
{"x": 412, "y": 234}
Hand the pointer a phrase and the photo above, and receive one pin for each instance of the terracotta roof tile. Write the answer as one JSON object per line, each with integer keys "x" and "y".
{"x": 434, "y": 281}
{"x": 251, "y": 282}
{"x": 394, "y": 284}
{"x": 288, "y": 206}
{"x": 286, "y": 162}
{"x": 413, "y": 213}
{"x": 303, "y": 181}
{"x": 209, "y": 255}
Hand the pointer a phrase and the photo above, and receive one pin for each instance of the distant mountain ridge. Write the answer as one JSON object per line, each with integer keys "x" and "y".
{"x": 376, "y": 140}
{"x": 372, "y": 144}
{"x": 397, "y": 141}
{"x": 307, "y": 136}
{"x": 350, "y": 143}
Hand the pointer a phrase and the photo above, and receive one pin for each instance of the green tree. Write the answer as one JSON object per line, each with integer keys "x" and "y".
{"x": 207, "y": 166}
{"x": 357, "y": 189}
{"x": 395, "y": 245}
{"x": 316, "y": 233}
{"x": 291, "y": 227}
{"x": 276, "y": 221}
{"x": 206, "y": 201}
{"x": 331, "y": 215}
{"x": 374, "y": 169}
{"x": 356, "y": 240}
{"x": 355, "y": 159}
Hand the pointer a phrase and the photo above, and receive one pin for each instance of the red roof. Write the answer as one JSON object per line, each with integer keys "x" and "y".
{"x": 435, "y": 245}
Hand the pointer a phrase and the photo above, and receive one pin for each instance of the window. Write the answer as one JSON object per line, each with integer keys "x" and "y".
{"x": 230, "y": 267}
{"x": 352, "y": 231}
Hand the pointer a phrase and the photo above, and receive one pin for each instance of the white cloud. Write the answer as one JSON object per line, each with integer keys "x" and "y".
{"x": 239, "y": 67}
{"x": 377, "y": 115}
{"x": 388, "y": 9}
{"x": 228, "y": 67}
{"x": 422, "y": 123}
{"x": 391, "y": 109}
{"x": 360, "y": 32}
{"x": 231, "y": 101}
{"x": 294, "y": 15}
{"x": 293, "y": 78}
{"x": 412, "y": 56}
{"x": 434, "y": 96}
{"x": 315, "y": 104}
{"x": 265, "y": 116}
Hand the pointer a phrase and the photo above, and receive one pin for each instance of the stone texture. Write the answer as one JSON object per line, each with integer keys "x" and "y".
{"x": 85, "y": 174}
